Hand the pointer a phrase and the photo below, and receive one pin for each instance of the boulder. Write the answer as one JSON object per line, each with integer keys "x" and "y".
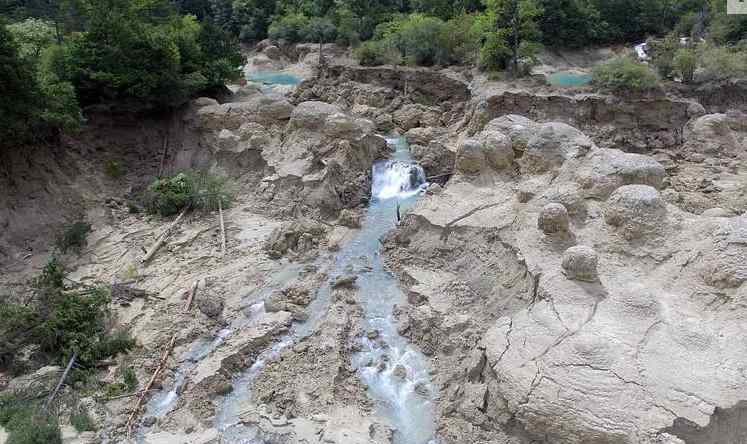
{"x": 435, "y": 158}
{"x": 470, "y": 157}
{"x": 553, "y": 219}
{"x": 553, "y": 145}
{"x": 262, "y": 109}
{"x": 349, "y": 218}
{"x": 605, "y": 170}
{"x": 580, "y": 263}
{"x": 414, "y": 115}
{"x": 518, "y": 128}
{"x": 272, "y": 52}
{"x": 636, "y": 210}
{"x": 311, "y": 115}
{"x": 423, "y": 136}
{"x": 210, "y": 307}
{"x": 497, "y": 147}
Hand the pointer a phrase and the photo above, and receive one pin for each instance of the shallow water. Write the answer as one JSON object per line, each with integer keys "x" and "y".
{"x": 406, "y": 400}
{"x": 274, "y": 78}
{"x": 568, "y": 78}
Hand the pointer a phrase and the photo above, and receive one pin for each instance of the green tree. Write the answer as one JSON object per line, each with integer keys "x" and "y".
{"x": 321, "y": 30}
{"x": 684, "y": 63}
{"x": 18, "y": 96}
{"x": 516, "y": 26}
{"x": 32, "y": 35}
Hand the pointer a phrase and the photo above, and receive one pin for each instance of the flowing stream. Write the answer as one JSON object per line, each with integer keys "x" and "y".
{"x": 395, "y": 373}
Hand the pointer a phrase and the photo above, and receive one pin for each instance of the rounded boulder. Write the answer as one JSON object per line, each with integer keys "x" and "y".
{"x": 635, "y": 210}
{"x": 580, "y": 263}
{"x": 553, "y": 219}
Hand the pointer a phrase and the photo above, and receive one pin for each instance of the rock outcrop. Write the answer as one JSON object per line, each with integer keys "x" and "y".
{"x": 574, "y": 340}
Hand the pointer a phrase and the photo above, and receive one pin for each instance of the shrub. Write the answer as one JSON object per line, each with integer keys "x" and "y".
{"x": 62, "y": 321}
{"x": 684, "y": 63}
{"x": 189, "y": 189}
{"x": 720, "y": 62}
{"x": 375, "y": 53}
{"x": 623, "y": 73}
{"x": 130, "y": 378}
{"x": 82, "y": 421}
{"x": 113, "y": 169}
{"x": 73, "y": 237}
{"x": 24, "y": 426}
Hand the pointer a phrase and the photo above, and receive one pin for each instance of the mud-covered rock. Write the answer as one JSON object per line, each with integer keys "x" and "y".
{"x": 636, "y": 210}
{"x": 553, "y": 219}
{"x": 605, "y": 170}
{"x": 497, "y": 148}
{"x": 518, "y": 128}
{"x": 435, "y": 158}
{"x": 580, "y": 263}
{"x": 553, "y": 145}
{"x": 297, "y": 237}
{"x": 470, "y": 158}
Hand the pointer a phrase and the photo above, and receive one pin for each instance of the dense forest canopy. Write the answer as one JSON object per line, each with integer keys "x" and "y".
{"x": 61, "y": 55}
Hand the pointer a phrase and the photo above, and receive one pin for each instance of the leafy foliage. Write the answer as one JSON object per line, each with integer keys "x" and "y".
{"x": 189, "y": 189}
{"x": 73, "y": 237}
{"x": 624, "y": 74}
{"x": 61, "y": 321}
{"x": 82, "y": 421}
{"x": 19, "y": 416}
{"x": 684, "y": 63}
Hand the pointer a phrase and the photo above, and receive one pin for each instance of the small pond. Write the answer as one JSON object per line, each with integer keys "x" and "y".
{"x": 568, "y": 78}
{"x": 274, "y": 78}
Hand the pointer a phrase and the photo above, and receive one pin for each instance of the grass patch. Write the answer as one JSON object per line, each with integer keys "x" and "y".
{"x": 73, "y": 237}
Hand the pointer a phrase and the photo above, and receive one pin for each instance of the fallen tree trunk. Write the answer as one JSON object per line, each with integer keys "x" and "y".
{"x": 162, "y": 238}
{"x": 62, "y": 381}
{"x": 191, "y": 297}
{"x": 141, "y": 398}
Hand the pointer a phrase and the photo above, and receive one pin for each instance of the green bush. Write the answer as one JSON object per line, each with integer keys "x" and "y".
{"x": 61, "y": 321}
{"x": 684, "y": 63}
{"x": 130, "y": 378}
{"x": 721, "y": 62}
{"x": 82, "y": 421}
{"x": 196, "y": 190}
{"x": 624, "y": 73}
{"x": 73, "y": 237}
{"x": 19, "y": 417}
{"x": 376, "y": 53}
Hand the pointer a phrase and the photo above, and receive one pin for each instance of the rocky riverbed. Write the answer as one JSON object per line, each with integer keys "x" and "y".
{"x": 416, "y": 256}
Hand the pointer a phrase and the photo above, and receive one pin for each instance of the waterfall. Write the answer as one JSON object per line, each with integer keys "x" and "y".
{"x": 396, "y": 178}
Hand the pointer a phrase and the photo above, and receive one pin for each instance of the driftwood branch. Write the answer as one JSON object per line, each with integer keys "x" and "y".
{"x": 62, "y": 381}
{"x": 191, "y": 297}
{"x": 162, "y": 238}
{"x": 141, "y": 398}
{"x": 222, "y": 230}
{"x": 129, "y": 395}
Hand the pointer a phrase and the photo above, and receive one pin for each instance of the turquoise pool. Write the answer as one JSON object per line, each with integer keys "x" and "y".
{"x": 568, "y": 78}
{"x": 274, "y": 78}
